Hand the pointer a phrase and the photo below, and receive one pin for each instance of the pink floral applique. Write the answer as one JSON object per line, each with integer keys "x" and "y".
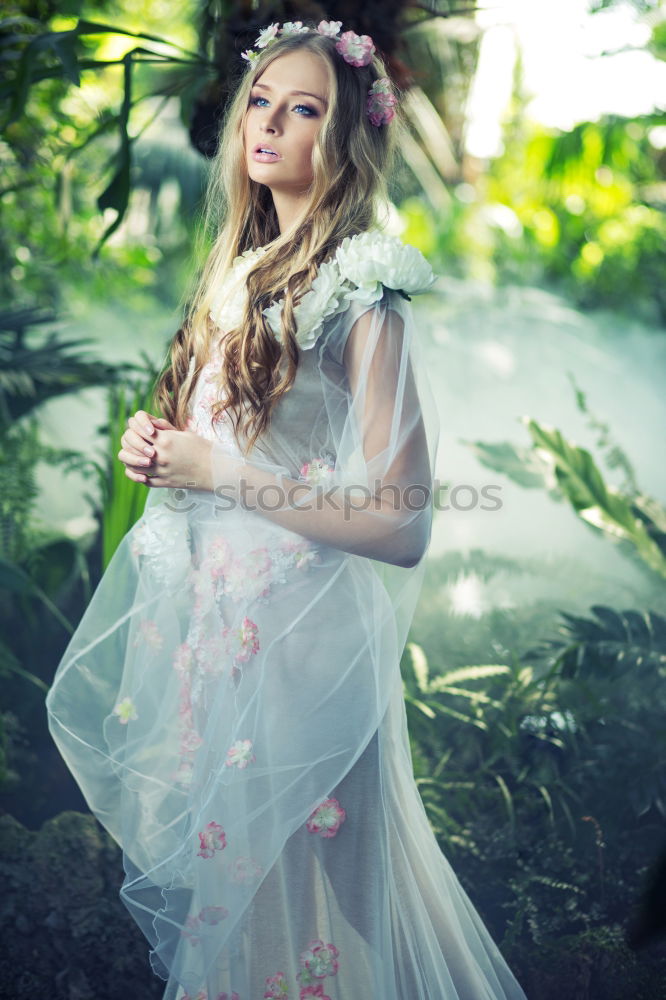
{"x": 301, "y": 552}
{"x": 211, "y": 839}
{"x": 326, "y": 818}
{"x": 240, "y": 754}
{"x": 212, "y": 654}
{"x": 183, "y": 659}
{"x": 191, "y": 933}
{"x": 244, "y": 639}
{"x": 276, "y": 987}
{"x": 313, "y": 991}
{"x": 317, "y": 961}
{"x": 316, "y": 471}
{"x": 126, "y": 711}
{"x": 149, "y": 633}
{"x": 244, "y": 870}
{"x": 212, "y": 915}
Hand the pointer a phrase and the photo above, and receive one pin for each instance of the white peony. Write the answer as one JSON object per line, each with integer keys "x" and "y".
{"x": 228, "y": 305}
{"x": 320, "y": 301}
{"x": 372, "y": 259}
{"x": 362, "y": 267}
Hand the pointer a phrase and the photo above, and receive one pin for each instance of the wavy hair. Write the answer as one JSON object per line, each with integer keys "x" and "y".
{"x": 351, "y": 160}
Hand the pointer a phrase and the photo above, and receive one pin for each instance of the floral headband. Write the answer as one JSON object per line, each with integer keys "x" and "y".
{"x": 355, "y": 49}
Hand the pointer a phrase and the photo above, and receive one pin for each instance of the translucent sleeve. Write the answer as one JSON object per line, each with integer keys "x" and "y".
{"x": 377, "y": 421}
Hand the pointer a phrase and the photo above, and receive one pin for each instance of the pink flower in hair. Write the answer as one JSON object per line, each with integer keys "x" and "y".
{"x": 381, "y": 102}
{"x": 267, "y": 35}
{"x": 293, "y": 28}
{"x": 329, "y": 28}
{"x": 355, "y": 49}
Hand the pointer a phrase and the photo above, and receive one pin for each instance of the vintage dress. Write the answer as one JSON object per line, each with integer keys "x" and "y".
{"x": 231, "y": 702}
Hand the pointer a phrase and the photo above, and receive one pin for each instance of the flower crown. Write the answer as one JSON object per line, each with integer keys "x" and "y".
{"x": 355, "y": 49}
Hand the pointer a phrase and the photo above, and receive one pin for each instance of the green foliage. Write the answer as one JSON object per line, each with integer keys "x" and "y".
{"x": 536, "y": 777}
{"x": 123, "y": 499}
{"x": 634, "y": 521}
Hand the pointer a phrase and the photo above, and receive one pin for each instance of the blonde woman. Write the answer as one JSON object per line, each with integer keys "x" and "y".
{"x": 231, "y": 702}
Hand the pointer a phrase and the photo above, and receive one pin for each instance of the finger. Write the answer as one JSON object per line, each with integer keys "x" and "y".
{"x": 164, "y": 424}
{"x": 131, "y": 458}
{"x": 135, "y": 444}
{"x": 142, "y": 423}
{"x": 137, "y": 477}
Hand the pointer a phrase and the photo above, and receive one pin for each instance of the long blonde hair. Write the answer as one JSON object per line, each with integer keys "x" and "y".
{"x": 351, "y": 160}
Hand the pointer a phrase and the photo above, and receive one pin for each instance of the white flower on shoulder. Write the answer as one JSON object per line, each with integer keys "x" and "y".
{"x": 374, "y": 259}
{"x": 230, "y": 298}
{"x": 320, "y": 301}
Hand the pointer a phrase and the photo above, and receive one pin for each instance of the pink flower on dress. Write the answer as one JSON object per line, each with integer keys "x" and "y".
{"x": 355, "y": 49}
{"x": 303, "y": 553}
{"x": 381, "y": 102}
{"x": 240, "y": 754}
{"x": 183, "y": 659}
{"x": 258, "y": 562}
{"x": 244, "y": 869}
{"x": 213, "y": 914}
{"x": 313, "y": 991}
{"x": 276, "y": 987}
{"x": 326, "y": 818}
{"x": 228, "y": 996}
{"x": 319, "y": 960}
{"x": 316, "y": 471}
{"x": 149, "y": 633}
{"x": 218, "y": 557}
{"x": 211, "y": 839}
{"x": 246, "y": 639}
{"x": 190, "y": 741}
{"x": 126, "y": 711}
{"x": 191, "y": 934}
{"x": 212, "y": 654}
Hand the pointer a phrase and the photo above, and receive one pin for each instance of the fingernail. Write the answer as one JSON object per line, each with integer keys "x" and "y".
{"x": 148, "y": 450}
{"x": 148, "y": 428}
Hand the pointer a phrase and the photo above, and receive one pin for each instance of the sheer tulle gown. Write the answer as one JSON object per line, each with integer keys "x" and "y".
{"x": 231, "y": 703}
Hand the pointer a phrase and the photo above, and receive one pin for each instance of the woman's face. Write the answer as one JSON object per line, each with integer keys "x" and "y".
{"x": 287, "y": 107}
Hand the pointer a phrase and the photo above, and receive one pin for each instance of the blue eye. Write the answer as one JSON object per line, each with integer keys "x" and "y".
{"x": 309, "y": 112}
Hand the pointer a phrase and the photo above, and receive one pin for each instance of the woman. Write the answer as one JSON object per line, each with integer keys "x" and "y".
{"x": 231, "y": 703}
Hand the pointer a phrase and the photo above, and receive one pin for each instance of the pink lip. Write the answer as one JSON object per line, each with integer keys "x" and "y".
{"x": 270, "y": 157}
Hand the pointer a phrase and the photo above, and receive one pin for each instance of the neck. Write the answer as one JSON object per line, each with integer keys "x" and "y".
{"x": 290, "y": 208}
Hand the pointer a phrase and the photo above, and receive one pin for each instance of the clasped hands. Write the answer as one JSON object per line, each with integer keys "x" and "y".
{"x": 155, "y": 453}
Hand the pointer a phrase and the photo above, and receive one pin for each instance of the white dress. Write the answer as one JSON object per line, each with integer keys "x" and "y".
{"x": 231, "y": 702}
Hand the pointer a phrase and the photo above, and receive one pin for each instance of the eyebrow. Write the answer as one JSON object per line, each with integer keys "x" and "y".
{"x": 294, "y": 93}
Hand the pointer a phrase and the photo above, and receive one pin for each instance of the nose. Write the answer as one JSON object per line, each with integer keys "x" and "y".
{"x": 270, "y": 121}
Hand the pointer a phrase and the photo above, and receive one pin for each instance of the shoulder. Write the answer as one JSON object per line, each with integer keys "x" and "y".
{"x": 353, "y": 279}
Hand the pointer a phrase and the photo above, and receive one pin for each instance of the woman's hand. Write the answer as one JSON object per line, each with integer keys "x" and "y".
{"x": 155, "y": 453}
